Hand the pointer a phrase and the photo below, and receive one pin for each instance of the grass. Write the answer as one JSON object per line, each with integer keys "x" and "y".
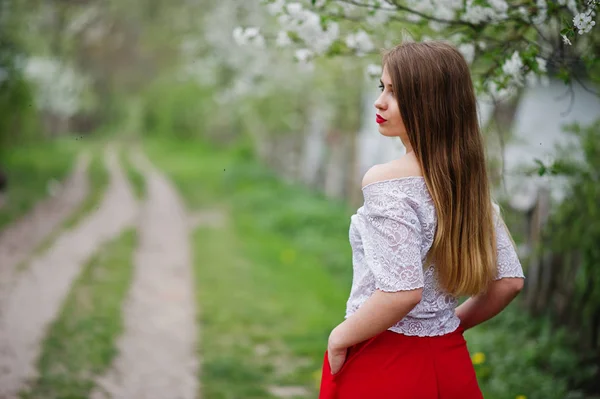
{"x": 30, "y": 169}
{"x": 80, "y": 344}
{"x": 272, "y": 283}
{"x": 98, "y": 178}
{"x": 137, "y": 180}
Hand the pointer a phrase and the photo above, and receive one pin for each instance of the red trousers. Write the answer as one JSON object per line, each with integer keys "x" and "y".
{"x": 396, "y": 366}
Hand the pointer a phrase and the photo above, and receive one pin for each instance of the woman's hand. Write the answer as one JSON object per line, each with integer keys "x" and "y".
{"x": 337, "y": 357}
{"x": 336, "y": 351}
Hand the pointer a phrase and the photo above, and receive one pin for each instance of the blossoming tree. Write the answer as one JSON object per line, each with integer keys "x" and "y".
{"x": 509, "y": 44}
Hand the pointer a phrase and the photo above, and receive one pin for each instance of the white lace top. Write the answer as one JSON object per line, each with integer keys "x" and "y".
{"x": 390, "y": 236}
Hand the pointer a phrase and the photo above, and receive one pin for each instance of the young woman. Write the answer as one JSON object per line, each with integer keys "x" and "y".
{"x": 427, "y": 234}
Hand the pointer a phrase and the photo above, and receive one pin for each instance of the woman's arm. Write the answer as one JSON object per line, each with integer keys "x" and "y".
{"x": 480, "y": 308}
{"x": 381, "y": 311}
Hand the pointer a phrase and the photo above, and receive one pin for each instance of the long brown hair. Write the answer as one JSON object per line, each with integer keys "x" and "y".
{"x": 435, "y": 94}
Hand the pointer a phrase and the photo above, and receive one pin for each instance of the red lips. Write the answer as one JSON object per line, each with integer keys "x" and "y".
{"x": 379, "y": 119}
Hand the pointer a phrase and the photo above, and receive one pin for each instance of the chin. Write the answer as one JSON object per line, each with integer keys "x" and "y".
{"x": 384, "y": 132}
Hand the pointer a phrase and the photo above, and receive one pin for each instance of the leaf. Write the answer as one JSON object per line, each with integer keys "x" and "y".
{"x": 564, "y": 75}
{"x": 542, "y": 169}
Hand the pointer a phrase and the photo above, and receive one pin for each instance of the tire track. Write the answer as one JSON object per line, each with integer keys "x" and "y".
{"x": 38, "y": 294}
{"x": 20, "y": 239}
{"x": 157, "y": 352}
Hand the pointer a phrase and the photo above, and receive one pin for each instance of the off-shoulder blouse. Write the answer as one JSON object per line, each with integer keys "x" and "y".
{"x": 390, "y": 236}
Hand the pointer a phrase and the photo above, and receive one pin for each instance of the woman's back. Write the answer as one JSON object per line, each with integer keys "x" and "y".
{"x": 390, "y": 236}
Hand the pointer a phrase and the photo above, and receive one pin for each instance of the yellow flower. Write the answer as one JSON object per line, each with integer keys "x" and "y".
{"x": 317, "y": 377}
{"x": 521, "y": 397}
{"x": 478, "y": 358}
{"x": 287, "y": 256}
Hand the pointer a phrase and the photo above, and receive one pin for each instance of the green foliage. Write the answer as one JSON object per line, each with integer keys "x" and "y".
{"x": 184, "y": 110}
{"x": 30, "y": 169}
{"x": 18, "y": 114}
{"x": 574, "y": 227}
{"x": 517, "y": 355}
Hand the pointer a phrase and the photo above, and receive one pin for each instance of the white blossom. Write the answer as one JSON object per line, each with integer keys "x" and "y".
{"x": 294, "y": 10}
{"x": 542, "y": 13}
{"x": 541, "y": 64}
{"x": 378, "y": 18}
{"x": 524, "y": 13}
{"x": 499, "y": 5}
{"x": 276, "y": 7}
{"x": 247, "y": 36}
{"x": 468, "y": 51}
{"x": 477, "y": 14}
{"x": 307, "y": 25}
{"x": 59, "y": 88}
{"x": 360, "y": 42}
{"x": 303, "y": 54}
{"x": 566, "y": 40}
{"x": 347, "y": 9}
{"x": 498, "y": 93}
{"x": 583, "y": 22}
{"x": 283, "y": 39}
{"x": 512, "y": 67}
{"x": 437, "y": 26}
{"x": 304, "y": 57}
{"x": 373, "y": 71}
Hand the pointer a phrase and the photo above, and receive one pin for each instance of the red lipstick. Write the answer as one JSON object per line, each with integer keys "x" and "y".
{"x": 379, "y": 119}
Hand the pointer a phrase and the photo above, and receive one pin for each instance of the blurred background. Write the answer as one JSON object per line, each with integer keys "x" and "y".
{"x": 177, "y": 180}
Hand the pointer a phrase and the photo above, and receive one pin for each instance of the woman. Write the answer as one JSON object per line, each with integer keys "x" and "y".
{"x": 427, "y": 234}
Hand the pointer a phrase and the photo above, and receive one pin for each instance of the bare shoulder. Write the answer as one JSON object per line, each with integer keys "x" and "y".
{"x": 406, "y": 166}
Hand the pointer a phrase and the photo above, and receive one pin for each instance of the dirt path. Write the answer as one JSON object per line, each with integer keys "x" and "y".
{"x": 157, "y": 352}
{"x": 19, "y": 240}
{"x": 35, "y": 299}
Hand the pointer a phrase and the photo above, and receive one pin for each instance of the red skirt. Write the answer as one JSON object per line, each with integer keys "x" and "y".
{"x": 391, "y": 365}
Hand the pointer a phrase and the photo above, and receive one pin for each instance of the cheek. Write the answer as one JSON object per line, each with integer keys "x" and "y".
{"x": 395, "y": 111}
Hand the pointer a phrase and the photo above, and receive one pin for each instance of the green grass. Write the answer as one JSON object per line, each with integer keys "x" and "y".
{"x": 98, "y": 179}
{"x": 277, "y": 275}
{"x": 30, "y": 168}
{"x": 137, "y": 180}
{"x": 81, "y": 343}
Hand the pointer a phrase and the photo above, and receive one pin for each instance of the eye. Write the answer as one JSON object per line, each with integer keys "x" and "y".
{"x": 380, "y": 87}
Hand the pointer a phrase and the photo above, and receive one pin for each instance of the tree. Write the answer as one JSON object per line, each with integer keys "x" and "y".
{"x": 509, "y": 45}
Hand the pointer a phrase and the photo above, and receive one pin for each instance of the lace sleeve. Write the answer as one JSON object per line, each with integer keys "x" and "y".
{"x": 508, "y": 261}
{"x": 392, "y": 245}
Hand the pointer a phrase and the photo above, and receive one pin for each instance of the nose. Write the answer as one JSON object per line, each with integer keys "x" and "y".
{"x": 380, "y": 103}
